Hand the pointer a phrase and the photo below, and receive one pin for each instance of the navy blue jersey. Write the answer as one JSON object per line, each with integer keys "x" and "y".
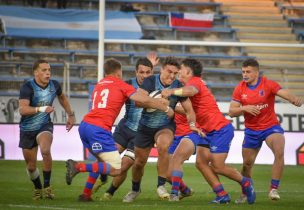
{"x": 158, "y": 118}
{"x": 133, "y": 113}
{"x": 38, "y": 96}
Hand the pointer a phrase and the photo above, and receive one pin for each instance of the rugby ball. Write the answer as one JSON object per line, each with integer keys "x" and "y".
{"x": 154, "y": 94}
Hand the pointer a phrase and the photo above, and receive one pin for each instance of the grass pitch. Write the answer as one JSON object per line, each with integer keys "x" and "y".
{"x": 16, "y": 190}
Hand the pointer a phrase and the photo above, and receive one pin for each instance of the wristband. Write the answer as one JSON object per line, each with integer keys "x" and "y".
{"x": 167, "y": 110}
{"x": 42, "y": 108}
{"x": 178, "y": 92}
{"x": 192, "y": 124}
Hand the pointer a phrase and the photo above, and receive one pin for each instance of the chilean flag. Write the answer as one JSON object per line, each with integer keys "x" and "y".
{"x": 191, "y": 20}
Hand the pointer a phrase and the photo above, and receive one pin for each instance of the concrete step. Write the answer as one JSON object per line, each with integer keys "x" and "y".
{"x": 235, "y": 16}
{"x": 284, "y": 78}
{"x": 274, "y": 36}
{"x": 248, "y": 3}
{"x": 254, "y": 29}
{"x": 251, "y": 9}
{"x": 281, "y": 64}
{"x": 227, "y": 1}
{"x": 273, "y": 23}
{"x": 254, "y": 14}
{"x": 277, "y": 50}
{"x": 270, "y": 41}
{"x": 297, "y": 91}
{"x": 294, "y": 85}
{"x": 274, "y": 56}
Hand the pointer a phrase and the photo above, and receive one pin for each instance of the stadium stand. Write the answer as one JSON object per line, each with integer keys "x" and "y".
{"x": 234, "y": 20}
{"x": 262, "y": 22}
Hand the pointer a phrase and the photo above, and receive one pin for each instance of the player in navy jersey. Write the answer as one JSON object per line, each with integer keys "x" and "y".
{"x": 156, "y": 127}
{"x": 254, "y": 98}
{"x": 108, "y": 97}
{"x": 125, "y": 131}
{"x": 36, "y": 129}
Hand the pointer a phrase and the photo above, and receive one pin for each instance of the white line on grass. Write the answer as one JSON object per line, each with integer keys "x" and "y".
{"x": 39, "y": 207}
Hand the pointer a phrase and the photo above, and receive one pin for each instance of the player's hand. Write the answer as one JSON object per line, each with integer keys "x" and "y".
{"x": 164, "y": 101}
{"x": 297, "y": 102}
{"x": 251, "y": 109}
{"x": 198, "y": 131}
{"x": 152, "y": 56}
{"x": 166, "y": 93}
{"x": 70, "y": 122}
{"x": 49, "y": 109}
{"x": 170, "y": 113}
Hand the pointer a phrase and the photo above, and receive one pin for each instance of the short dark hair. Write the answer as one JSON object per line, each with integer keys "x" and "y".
{"x": 144, "y": 62}
{"x": 111, "y": 65}
{"x": 37, "y": 63}
{"x": 171, "y": 61}
{"x": 194, "y": 65}
{"x": 251, "y": 62}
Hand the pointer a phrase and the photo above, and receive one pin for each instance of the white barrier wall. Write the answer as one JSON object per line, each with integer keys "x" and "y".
{"x": 68, "y": 145}
{"x": 291, "y": 117}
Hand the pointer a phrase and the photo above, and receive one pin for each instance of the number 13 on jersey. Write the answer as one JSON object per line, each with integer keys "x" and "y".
{"x": 100, "y": 99}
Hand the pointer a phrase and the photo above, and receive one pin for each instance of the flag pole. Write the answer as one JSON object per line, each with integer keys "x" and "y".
{"x": 101, "y": 39}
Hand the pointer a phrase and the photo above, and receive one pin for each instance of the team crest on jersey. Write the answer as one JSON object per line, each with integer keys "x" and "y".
{"x": 261, "y": 93}
{"x": 244, "y": 96}
{"x": 96, "y": 146}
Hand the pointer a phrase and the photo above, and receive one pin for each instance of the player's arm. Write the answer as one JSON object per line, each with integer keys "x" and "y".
{"x": 287, "y": 95}
{"x": 152, "y": 56}
{"x": 186, "y": 91}
{"x": 67, "y": 107}
{"x": 236, "y": 109}
{"x": 191, "y": 117}
{"x": 141, "y": 98}
{"x": 179, "y": 109}
{"x": 25, "y": 108}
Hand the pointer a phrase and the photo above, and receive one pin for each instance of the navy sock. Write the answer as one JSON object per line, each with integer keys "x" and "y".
{"x": 47, "y": 178}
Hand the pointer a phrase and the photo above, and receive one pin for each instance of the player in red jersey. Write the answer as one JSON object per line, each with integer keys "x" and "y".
{"x": 254, "y": 98}
{"x": 219, "y": 132}
{"x": 108, "y": 97}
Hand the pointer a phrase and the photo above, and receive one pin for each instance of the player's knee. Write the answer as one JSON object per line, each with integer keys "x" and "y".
{"x": 218, "y": 168}
{"x": 46, "y": 154}
{"x": 163, "y": 149}
{"x": 139, "y": 163}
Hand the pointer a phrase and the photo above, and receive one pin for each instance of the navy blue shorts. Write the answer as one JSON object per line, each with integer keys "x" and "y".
{"x": 254, "y": 139}
{"x": 220, "y": 141}
{"x": 145, "y": 135}
{"x": 28, "y": 139}
{"x": 194, "y": 137}
{"x": 124, "y": 136}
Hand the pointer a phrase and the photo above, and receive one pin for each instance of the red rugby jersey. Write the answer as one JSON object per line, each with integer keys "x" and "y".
{"x": 208, "y": 115}
{"x": 261, "y": 95}
{"x": 108, "y": 97}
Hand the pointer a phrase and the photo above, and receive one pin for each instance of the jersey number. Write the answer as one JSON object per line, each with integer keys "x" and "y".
{"x": 101, "y": 98}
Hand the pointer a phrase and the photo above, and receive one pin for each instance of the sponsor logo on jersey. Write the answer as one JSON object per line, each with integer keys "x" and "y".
{"x": 262, "y": 106}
